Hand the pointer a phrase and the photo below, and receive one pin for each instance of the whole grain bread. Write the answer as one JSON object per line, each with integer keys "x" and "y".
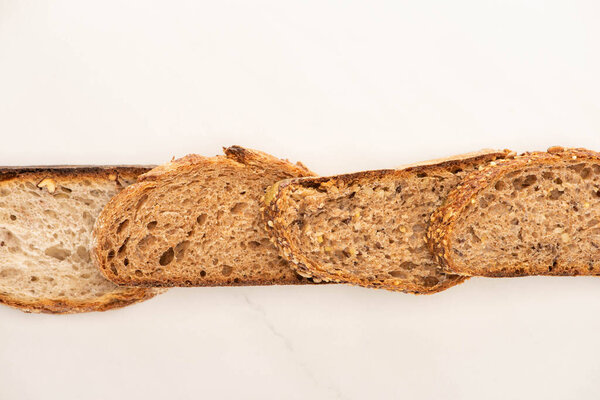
{"x": 46, "y": 219}
{"x": 536, "y": 214}
{"x": 368, "y": 228}
{"x": 195, "y": 222}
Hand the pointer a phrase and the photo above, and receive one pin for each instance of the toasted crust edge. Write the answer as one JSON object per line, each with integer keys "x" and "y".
{"x": 104, "y": 303}
{"x": 111, "y": 301}
{"x": 306, "y": 267}
{"x": 234, "y": 156}
{"x": 445, "y": 218}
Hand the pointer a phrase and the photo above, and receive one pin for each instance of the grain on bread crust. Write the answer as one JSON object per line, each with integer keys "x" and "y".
{"x": 33, "y": 198}
{"x": 195, "y": 222}
{"x": 291, "y": 207}
{"x": 547, "y": 226}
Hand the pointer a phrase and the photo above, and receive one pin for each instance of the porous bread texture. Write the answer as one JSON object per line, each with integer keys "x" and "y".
{"x": 536, "y": 214}
{"x": 367, "y": 228}
{"x": 46, "y": 219}
{"x": 196, "y": 222}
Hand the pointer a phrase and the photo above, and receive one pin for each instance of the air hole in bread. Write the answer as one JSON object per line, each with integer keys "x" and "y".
{"x": 122, "y": 226}
{"x": 138, "y": 273}
{"x": 65, "y": 189}
{"x": 586, "y": 173}
{"x": 201, "y": 219}
{"x": 125, "y": 261}
{"x": 407, "y": 265}
{"x": 238, "y": 207}
{"x": 500, "y": 185}
{"x": 34, "y": 279}
{"x": 226, "y": 270}
{"x": 180, "y": 248}
{"x": 110, "y": 255}
{"x": 123, "y": 246}
{"x": 555, "y": 194}
{"x": 202, "y": 273}
{"x": 151, "y": 225}
{"x": 430, "y": 281}
{"x": 114, "y": 269}
{"x": 57, "y": 252}
{"x": 167, "y": 257}
{"x": 521, "y": 183}
{"x": 254, "y": 244}
{"x": 13, "y": 217}
{"x": 141, "y": 201}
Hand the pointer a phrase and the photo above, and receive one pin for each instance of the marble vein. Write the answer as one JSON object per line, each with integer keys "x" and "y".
{"x": 290, "y": 348}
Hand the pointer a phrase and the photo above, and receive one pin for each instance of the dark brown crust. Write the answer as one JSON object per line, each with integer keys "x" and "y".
{"x": 127, "y": 297}
{"x": 443, "y": 221}
{"x": 122, "y": 296}
{"x": 307, "y": 267}
{"x": 73, "y": 172}
{"x": 234, "y": 156}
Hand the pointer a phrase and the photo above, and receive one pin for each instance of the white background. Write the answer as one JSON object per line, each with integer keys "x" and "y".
{"x": 342, "y": 86}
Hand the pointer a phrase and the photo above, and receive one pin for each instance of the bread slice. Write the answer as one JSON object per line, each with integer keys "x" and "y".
{"x": 368, "y": 228}
{"x": 195, "y": 222}
{"x": 536, "y": 214}
{"x": 46, "y": 219}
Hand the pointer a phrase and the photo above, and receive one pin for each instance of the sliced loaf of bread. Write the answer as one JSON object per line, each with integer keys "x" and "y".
{"x": 536, "y": 214}
{"x": 368, "y": 228}
{"x": 195, "y": 222}
{"x": 46, "y": 219}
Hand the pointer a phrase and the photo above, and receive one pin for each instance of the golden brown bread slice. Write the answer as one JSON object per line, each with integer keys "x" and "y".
{"x": 46, "y": 219}
{"x": 536, "y": 214}
{"x": 367, "y": 228}
{"x": 195, "y": 222}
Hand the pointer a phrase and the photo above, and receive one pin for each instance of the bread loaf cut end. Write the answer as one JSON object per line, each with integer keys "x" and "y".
{"x": 196, "y": 222}
{"x": 536, "y": 214}
{"x": 46, "y": 219}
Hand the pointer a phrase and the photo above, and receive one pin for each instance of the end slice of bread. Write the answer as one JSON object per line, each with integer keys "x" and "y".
{"x": 536, "y": 214}
{"x": 195, "y": 222}
{"x": 368, "y": 228}
{"x": 46, "y": 219}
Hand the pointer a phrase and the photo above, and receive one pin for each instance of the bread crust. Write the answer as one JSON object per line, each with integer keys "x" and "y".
{"x": 72, "y": 173}
{"x": 281, "y": 237}
{"x": 444, "y": 220}
{"x": 235, "y": 156}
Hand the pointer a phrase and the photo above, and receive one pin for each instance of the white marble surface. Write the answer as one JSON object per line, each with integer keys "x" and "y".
{"x": 342, "y": 86}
